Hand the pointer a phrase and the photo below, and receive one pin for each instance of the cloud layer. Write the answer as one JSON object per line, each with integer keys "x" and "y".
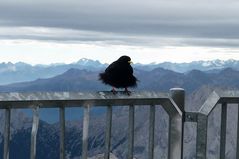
{"x": 163, "y": 22}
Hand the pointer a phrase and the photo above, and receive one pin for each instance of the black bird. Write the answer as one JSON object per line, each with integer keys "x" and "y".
{"x": 119, "y": 74}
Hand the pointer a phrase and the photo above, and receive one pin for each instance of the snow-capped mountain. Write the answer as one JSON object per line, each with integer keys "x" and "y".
{"x": 19, "y": 72}
{"x": 88, "y": 62}
{"x": 199, "y": 65}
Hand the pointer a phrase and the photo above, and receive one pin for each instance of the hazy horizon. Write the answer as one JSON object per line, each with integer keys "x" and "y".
{"x": 59, "y": 63}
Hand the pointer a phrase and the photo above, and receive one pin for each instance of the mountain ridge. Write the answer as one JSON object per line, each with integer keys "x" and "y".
{"x": 156, "y": 79}
{"x": 20, "y": 71}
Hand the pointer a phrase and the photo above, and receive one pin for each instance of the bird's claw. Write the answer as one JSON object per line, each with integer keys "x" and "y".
{"x": 114, "y": 91}
{"x": 127, "y": 92}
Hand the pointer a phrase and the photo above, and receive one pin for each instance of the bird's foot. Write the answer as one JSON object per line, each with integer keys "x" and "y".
{"x": 114, "y": 91}
{"x": 127, "y": 92}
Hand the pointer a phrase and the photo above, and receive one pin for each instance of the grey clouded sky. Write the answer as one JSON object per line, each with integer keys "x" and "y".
{"x": 185, "y": 29}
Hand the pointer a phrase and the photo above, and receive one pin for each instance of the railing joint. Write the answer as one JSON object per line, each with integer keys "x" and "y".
{"x": 190, "y": 116}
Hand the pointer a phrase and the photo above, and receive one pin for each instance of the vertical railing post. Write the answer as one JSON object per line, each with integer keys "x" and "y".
{"x": 86, "y": 121}
{"x": 201, "y": 140}
{"x": 178, "y": 96}
{"x": 62, "y": 132}
{"x": 108, "y": 132}
{"x": 7, "y": 133}
{"x": 35, "y": 124}
{"x": 151, "y": 131}
{"x": 223, "y": 131}
{"x": 237, "y": 153}
{"x": 131, "y": 133}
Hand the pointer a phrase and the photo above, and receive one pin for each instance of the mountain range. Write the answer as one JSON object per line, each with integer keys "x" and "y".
{"x": 197, "y": 83}
{"x": 158, "y": 79}
{"x": 19, "y": 72}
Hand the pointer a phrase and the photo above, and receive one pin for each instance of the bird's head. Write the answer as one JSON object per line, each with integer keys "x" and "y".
{"x": 125, "y": 59}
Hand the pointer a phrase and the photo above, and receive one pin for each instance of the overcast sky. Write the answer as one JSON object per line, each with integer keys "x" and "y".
{"x": 50, "y": 31}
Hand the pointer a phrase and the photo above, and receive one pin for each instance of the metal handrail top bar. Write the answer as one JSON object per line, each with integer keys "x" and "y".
{"x": 56, "y": 99}
{"x": 229, "y": 96}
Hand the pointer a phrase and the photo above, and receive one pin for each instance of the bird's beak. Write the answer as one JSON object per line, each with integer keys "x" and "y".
{"x": 130, "y": 62}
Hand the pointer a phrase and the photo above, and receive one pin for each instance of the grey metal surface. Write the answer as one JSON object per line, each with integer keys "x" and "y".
{"x": 151, "y": 131}
{"x": 35, "y": 124}
{"x": 191, "y": 116}
{"x": 77, "y": 99}
{"x": 210, "y": 103}
{"x": 175, "y": 129}
{"x": 178, "y": 96}
{"x": 71, "y": 99}
{"x": 201, "y": 140}
{"x": 62, "y": 132}
{"x": 237, "y": 148}
{"x": 131, "y": 133}
{"x": 173, "y": 104}
{"x": 223, "y": 131}
{"x": 86, "y": 122}
{"x": 229, "y": 96}
{"x": 108, "y": 132}
{"x": 7, "y": 134}
{"x": 64, "y": 96}
{"x": 175, "y": 137}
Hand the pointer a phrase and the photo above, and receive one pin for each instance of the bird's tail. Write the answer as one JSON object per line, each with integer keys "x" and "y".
{"x": 102, "y": 77}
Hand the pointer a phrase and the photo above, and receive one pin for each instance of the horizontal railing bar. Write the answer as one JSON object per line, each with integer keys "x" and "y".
{"x": 81, "y": 103}
{"x": 229, "y": 100}
{"x": 36, "y": 96}
{"x": 228, "y": 93}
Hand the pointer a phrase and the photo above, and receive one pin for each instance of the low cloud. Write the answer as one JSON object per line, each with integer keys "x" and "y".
{"x": 153, "y": 23}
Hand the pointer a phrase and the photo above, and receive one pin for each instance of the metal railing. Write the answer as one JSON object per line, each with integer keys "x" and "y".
{"x": 201, "y": 118}
{"x": 64, "y": 100}
{"x": 172, "y": 103}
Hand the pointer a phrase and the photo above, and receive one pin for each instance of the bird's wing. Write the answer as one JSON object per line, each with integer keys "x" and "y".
{"x": 112, "y": 68}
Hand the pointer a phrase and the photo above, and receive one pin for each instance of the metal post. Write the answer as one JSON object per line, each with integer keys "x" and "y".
{"x": 62, "y": 132}
{"x": 223, "y": 131}
{"x": 35, "y": 124}
{"x": 178, "y": 96}
{"x": 201, "y": 146}
{"x": 151, "y": 131}
{"x": 131, "y": 133}
{"x": 85, "y": 131}
{"x": 7, "y": 133}
{"x": 108, "y": 132}
{"x": 237, "y": 149}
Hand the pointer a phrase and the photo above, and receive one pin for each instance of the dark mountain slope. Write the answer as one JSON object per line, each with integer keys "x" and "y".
{"x": 158, "y": 79}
